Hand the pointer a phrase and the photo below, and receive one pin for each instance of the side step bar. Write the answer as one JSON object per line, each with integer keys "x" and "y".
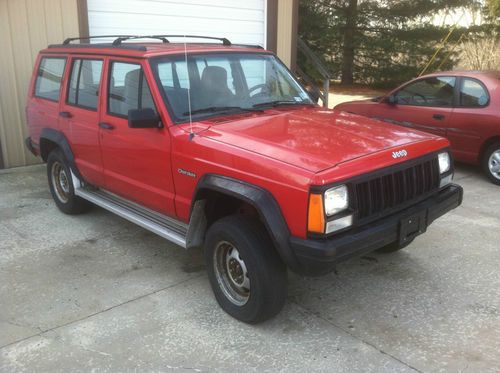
{"x": 164, "y": 226}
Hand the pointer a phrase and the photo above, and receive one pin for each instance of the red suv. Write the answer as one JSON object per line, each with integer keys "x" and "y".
{"x": 463, "y": 106}
{"x": 217, "y": 146}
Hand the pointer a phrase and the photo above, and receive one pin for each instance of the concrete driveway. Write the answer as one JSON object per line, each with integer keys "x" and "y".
{"x": 96, "y": 293}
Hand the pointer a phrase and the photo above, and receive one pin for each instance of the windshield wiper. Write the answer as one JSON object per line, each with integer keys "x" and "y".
{"x": 214, "y": 109}
{"x": 281, "y": 102}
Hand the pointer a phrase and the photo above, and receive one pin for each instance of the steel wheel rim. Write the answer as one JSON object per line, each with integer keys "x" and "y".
{"x": 494, "y": 164}
{"x": 231, "y": 273}
{"x": 60, "y": 182}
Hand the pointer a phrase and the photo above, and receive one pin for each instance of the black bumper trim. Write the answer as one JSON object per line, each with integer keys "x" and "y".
{"x": 320, "y": 256}
{"x": 30, "y": 146}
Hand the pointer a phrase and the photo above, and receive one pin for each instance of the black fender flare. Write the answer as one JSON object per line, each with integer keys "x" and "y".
{"x": 261, "y": 199}
{"x": 62, "y": 142}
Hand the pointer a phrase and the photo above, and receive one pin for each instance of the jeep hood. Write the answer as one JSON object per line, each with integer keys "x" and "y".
{"x": 314, "y": 139}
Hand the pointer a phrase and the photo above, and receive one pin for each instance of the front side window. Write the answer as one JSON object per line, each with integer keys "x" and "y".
{"x": 48, "y": 80}
{"x": 213, "y": 84}
{"x": 84, "y": 83}
{"x": 128, "y": 89}
{"x": 435, "y": 91}
{"x": 473, "y": 94}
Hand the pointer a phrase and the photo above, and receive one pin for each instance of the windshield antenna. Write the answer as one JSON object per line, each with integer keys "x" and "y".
{"x": 191, "y": 133}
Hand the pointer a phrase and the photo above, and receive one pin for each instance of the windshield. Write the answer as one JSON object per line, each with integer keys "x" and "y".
{"x": 224, "y": 83}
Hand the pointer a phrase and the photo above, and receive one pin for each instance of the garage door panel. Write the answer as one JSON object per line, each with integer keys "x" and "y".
{"x": 239, "y": 21}
{"x": 205, "y": 10}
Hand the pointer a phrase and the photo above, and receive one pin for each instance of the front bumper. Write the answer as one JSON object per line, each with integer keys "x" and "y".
{"x": 317, "y": 257}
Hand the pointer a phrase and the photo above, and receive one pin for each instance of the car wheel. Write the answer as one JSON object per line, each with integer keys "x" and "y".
{"x": 491, "y": 162}
{"x": 61, "y": 185}
{"x": 247, "y": 275}
{"x": 393, "y": 247}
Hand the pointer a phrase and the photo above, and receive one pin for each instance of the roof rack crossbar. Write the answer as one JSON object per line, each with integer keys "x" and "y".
{"x": 69, "y": 40}
{"x": 119, "y": 40}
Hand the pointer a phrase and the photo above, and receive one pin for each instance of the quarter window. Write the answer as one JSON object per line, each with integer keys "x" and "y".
{"x": 473, "y": 94}
{"x": 48, "y": 80}
{"x": 84, "y": 83}
{"x": 435, "y": 91}
{"x": 128, "y": 89}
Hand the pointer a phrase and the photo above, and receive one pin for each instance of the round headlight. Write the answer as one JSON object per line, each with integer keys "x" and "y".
{"x": 336, "y": 200}
{"x": 444, "y": 162}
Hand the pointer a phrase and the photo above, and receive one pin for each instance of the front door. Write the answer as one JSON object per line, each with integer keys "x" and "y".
{"x": 79, "y": 116}
{"x": 136, "y": 160}
{"x": 426, "y": 105}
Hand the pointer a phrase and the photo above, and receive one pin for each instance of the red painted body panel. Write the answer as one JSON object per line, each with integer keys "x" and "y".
{"x": 284, "y": 150}
{"x": 136, "y": 161}
{"x": 468, "y": 129}
{"x": 40, "y": 113}
{"x": 311, "y": 138}
{"x": 82, "y": 131}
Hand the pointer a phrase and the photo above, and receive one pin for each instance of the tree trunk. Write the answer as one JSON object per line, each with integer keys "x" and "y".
{"x": 348, "y": 47}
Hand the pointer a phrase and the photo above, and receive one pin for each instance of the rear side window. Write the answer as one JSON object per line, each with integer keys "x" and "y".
{"x": 128, "y": 89}
{"x": 84, "y": 83}
{"x": 473, "y": 94}
{"x": 48, "y": 80}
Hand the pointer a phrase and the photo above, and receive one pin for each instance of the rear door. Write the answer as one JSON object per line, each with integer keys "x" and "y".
{"x": 472, "y": 120}
{"x": 136, "y": 160}
{"x": 425, "y": 104}
{"x": 79, "y": 116}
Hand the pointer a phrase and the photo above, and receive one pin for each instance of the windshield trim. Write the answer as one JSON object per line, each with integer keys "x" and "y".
{"x": 153, "y": 64}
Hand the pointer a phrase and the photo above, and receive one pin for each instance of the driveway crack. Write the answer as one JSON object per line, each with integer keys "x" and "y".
{"x": 44, "y": 331}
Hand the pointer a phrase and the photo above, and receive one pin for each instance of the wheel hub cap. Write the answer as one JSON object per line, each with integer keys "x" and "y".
{"x": 231, "y": 273}
{"x": 494, "y": 164}
{"x": 60, "y": 182}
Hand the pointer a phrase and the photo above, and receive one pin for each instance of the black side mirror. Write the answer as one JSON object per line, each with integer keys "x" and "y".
{"x": 143, "y": 118}
{"x": 314, "y": 93}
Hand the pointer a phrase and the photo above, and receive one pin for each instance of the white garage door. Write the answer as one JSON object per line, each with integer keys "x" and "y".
{"x": 241, "y": 21}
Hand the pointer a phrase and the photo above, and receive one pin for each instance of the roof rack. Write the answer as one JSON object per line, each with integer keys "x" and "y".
{"x": 69, "y": 40}
{"x": 119, "y": 40}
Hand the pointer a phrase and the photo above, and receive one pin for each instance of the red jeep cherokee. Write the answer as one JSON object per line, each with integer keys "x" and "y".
{"x": 217, "y": 146}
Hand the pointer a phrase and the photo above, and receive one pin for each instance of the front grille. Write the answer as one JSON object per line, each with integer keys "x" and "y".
{"x": 388, "y": 191}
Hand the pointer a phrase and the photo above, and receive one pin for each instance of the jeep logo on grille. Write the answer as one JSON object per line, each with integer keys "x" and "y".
{"x": 399, "y": 154}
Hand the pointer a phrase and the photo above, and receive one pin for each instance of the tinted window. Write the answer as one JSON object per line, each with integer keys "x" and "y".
{"x": 84, "y": 83}
{"x": 222, "y": 64}
{"x": 48, "y": 81}
{"x": 435, "y": 91}
{"x": 128, "y": 89}
{"x": 473, "y": 94}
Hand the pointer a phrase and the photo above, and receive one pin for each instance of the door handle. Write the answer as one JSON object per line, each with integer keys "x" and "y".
{"x": 106, "y": 126}
{"x": 438, "y": 116}
{"x": 65, "y": 114}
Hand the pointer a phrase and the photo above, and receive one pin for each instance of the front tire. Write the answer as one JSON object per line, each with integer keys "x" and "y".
{"x": 491, "y": 162}
{"x": 61, "y": 185}
{"x": 247, "y": 275}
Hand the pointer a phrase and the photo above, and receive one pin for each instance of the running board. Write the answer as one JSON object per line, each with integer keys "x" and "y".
{"x": 164, "y": 226}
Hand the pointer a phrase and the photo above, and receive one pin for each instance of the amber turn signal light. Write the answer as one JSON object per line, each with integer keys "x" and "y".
{"x": 316, "y": 214}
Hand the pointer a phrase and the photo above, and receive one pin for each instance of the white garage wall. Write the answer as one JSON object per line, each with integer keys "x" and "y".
{"x": 241, "y": 21}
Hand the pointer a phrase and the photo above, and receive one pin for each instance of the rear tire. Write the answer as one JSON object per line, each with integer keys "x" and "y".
{"x": 393, "y": 247}
{"x": 61, "y": 185}
{"x": 491, "y": 162}
{"x": 248, "y": 278}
